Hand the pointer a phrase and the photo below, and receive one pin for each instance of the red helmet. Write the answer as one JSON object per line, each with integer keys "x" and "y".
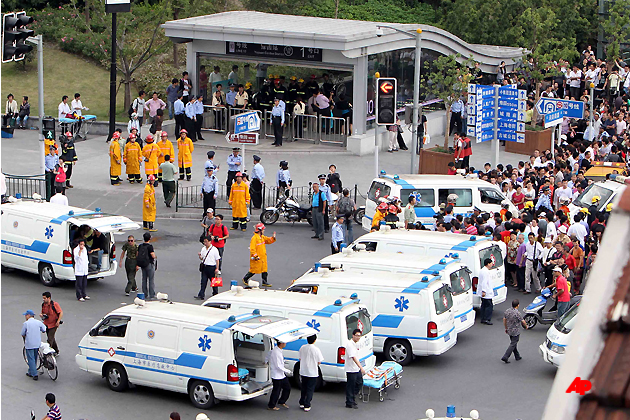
{"x": 116, "y": 135}
{"x": 164, "y": 134}
{"x": 149, "y": 138}
{"x": 238, "y": 174}
{"x": 259, "y": 226}
{"x": 382, "y": 206}
{"x": 393, "y": 209}
{"x": 68, "y": 134}
{"x": 131, "y": 136}
{"x": 151, "y": 177}
{"x": 183, "y": 130}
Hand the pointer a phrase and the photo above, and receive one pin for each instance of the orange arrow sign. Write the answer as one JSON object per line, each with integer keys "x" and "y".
{"x": 386, "y": 87}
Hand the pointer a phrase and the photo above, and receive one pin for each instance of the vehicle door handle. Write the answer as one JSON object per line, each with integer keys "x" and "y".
{"x": 120, "y": 348}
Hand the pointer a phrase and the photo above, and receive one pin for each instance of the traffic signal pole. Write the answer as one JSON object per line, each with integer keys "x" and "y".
{"x": 40, "y": 105}
{"x": 112, "y": 82}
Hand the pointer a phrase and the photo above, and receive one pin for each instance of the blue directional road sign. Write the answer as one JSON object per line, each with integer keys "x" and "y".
{"x": 506, "y": 125}
{"x": 483, "y": 125}
{"x": 246, "y": 122}
{"x": 505, "y": 114}
{"x": 511, "y": 136}
{"x": 514, "y": 104}
{"x": 512, "y": 93}
{"x": 554, "y": 118}
{"x": 571, "y": 109}
{"x": 485, "y": 136}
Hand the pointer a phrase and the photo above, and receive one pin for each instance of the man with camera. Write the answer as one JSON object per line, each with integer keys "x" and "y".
{"x": 52, "y": 315}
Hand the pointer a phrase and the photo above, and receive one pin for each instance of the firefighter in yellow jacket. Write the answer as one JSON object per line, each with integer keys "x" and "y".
{"x": 148, "y": 205}
{"x": 239, "y": 200}
{"x": 115, "y": 160}
{"x": 166, "y": 148}
{"x": 185, "y": 148}
{"x": 258, "y": 254}
{"x": 151, "y": 153}
{"x": 132, "y": 159}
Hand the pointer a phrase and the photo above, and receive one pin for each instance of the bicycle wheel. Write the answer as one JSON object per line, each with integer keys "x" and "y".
{"x": 39, "y": 359}
{"x": 51, "y": 367}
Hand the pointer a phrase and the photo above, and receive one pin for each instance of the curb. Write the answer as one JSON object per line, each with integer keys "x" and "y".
{"x": 341, "y": 151}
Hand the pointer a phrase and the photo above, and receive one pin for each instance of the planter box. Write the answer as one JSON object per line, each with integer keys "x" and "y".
{"x": 431, "y": 162}
{"x": 534, "y": 140}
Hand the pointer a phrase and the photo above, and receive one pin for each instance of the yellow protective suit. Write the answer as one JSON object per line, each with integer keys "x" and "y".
{"x": 166, "y": 148}
{"x": 148, "y": 200}
{"x": 132, "y": 158}
{"x": 151, "y": 153}
{"x": 258, "y": 249}
{"x": 115, "y": 159}
{"x": 376, "y": 221}
{"x": 239, "y": 199}
{"x": 184, "y": 152}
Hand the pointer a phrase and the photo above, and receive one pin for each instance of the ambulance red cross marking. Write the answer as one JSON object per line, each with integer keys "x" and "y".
{"x": 111, "y": 352}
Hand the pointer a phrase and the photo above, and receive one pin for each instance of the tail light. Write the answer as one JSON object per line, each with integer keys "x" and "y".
{"x": 341, "y": 355}
{"x": 432, "y": 330}
{"x": 113, "y": 252}
{"x": 475, "y": 281}
{"x": 232, "y": 373}
{"x": 67, "y": 257}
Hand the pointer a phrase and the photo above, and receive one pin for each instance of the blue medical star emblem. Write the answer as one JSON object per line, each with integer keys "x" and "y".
{"x": 49, "y": 232}
{"x": 314, "y": 325}
{"x": 401, "y": 303}
{"x": 204, "y": 343}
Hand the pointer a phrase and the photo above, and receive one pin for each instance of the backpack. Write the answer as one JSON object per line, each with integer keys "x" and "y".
{"x": 153, "y": 127}
{"x": 345, "y": 206}
{"x": 131, "y": 109}
{"x": 54, "y": 309}
{"x": 142, "y": 260}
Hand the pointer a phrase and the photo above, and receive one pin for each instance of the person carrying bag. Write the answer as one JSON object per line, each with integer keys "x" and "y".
{"x": 209, "y": 255}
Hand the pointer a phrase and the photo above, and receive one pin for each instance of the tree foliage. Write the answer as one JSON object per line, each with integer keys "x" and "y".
{"x": 616, "y": 27}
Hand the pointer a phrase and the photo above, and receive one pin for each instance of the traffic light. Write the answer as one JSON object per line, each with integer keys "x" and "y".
{"x": 48, "y": 128}
{"x": 385, "y": 101}
{"x": 14, "y": 34}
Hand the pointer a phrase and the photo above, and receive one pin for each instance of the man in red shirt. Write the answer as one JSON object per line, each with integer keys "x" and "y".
{"x": 463, "y": 150}
{"x": 568, "y": 258}
{"x": 219, "y": 233}
{"x": 562, "y": 293}
{"x": 451, "y": 169}
{"x": 52, "y": 317}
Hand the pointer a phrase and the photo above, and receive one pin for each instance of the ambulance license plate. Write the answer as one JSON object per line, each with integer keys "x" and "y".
{"x": 447, "y": 337}
{"x": 464, "y": 318}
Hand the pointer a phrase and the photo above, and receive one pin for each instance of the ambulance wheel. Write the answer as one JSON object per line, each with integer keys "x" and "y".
{"x": 297, "y": 379}
{"x": 398, "y": 351}
{"x": 201, "y": 395}
{"x": 116, "y": 377}
{"x": 530, "y": 320}
{"x": 47, "y": 275}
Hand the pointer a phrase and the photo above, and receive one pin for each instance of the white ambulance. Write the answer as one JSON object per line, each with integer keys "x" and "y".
{"x": 411, "y": 315}
{"x": 37, "y": 237}
{"x": 210, "y": 354}
{"x": 559, "y": 337}
{"x": 607, "y": 191}
{"x": 334, "y": 319}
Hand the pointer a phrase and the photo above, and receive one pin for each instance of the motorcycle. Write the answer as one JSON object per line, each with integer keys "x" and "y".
{"x": 289, "y": 209}
{"x": 534, "y": 312}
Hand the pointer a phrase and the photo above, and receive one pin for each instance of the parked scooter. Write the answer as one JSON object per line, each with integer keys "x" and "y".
{"x": 289, "y": 209}
{"x": 535, "y": 311}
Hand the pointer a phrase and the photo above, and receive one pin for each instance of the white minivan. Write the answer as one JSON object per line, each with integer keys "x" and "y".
{"x": 36, "y": 237}
{"x": 334, "y": 319}
{"x": 433, "y": 190}
{"x": 558, "y": 337}
{"x": 210, "y": 354}
{"x": 411, "y": 314}
{"x": 449, "y": 269}
{"x": 607, "y": 191}
{"x": 471, "y": 250}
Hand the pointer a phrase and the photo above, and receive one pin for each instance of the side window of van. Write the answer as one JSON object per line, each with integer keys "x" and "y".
{"x": 303, "y": 288}
{"x": 490, "y": 196}
{"x": 378, "y": 190}
{"x": 426, "y": 199}
{"x": 464, "y": 196}
{"x": 369, "y": 246}
{"x": 113, "y": 326}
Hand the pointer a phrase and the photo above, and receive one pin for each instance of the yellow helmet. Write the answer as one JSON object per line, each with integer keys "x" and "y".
{"x": 301, "y": 81}
{"x": 248, "y": 85}
{"x": 270, "y": 76}
{"x": 293, "y": 78}
{"x": 609, "y": 207}
{"x": 529, "y": 204}
{"x": 595, "y": 199}
{"x": 585, "y": 210}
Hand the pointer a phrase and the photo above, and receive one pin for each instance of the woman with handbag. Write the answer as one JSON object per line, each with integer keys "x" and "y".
{"x": 401, "y": 141}
{"x": 209, "y": 255}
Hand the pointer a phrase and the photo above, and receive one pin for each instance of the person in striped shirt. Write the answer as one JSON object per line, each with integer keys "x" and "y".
{"x": 53, "y": 409}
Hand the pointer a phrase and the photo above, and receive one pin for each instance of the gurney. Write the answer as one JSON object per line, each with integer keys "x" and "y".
{"x": 86, "y": 123}
{"x": 380, "y": 378}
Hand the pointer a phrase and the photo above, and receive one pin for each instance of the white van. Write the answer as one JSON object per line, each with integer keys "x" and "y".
{"x": 449, "y": 269}
{"x": 605, "y": 190}
{"x": 36, "y": 237}
{"x": 210, "y": 354}
{"x": 433, "y": 190}
{"x": 471, "y": 250}
{"x": 411, "y": 314}
{"x": 558, "y": 337}
{"x": 332, "y": 317}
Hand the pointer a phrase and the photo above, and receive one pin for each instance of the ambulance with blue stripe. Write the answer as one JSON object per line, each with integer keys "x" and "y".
{"x": 431, "y": 191}
{"x": 449, "y": 269}
{"x": 412, "y": 315}
{"x": 208, "y": 353}
{"x": 37, "y": 238}
{"x": 471, "y": 250}
{"x": 334, "y": 318}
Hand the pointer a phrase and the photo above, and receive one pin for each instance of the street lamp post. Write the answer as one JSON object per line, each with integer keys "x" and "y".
{"x": 416, "y": 93}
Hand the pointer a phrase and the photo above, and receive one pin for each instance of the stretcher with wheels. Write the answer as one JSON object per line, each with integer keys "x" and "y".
{"x": 380, "y": 378}
{"x": 73, "y": 124}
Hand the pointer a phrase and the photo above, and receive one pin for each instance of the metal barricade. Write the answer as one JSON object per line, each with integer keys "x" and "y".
{"x": 26, "y": 186}
{"x": 238, "y": 111}
{"x": 333, "y": 130}
{"x": 215, "y": 118}
{"x": 190, "y": 197}
{"x": 268, "y": 124}
{"x": 304, "y": 127}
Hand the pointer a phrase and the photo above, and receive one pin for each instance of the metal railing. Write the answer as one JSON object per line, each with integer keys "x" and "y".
{"x": 305, "y": 127}
{"x": 26, "y": 185}
{"x": 215, "y": 118}
{"x": 190, "y": 197}
{"x": 268, "y": 124}
{"x": 333, "y": 130}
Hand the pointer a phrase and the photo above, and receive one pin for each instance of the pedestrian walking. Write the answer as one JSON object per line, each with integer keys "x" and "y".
{"x": 354, "y": 370}
{"x": 81, "y": 270}
{"x": 130, "y": 249}
{"x": 185, "y": 147}
{"x": 115, "y": 160}
{"x": 69, "y": 156}
{"x": 346, "y": 207}
{"x": 258, "y": 254}
{"x": 239, "y": 200}
{"x": 209, "y": 257}
{"x": 147, "y": 261}
{"x": 511, "y": 320}
{"x": 310, "y": 358}
{"x": 209, "y": 190}
{"x": 166, "y": 148}
{"x": 167, "y": 172}
{"x": 133, "y": 159}
{"x": 337, "y": 234}
{"x": 151, "y": 153}
{"x": 206, "y": 222}
{"x": 32, "y": 330}
{"x": 533, "y": 253}
{"x": 52, "y": 314}
{"x": 219, "y": 233}
{"x": 318, "y": 207}
{"x": 235, "y": 164}
{"x": 149, "y": 207}
{"x": 53, "y": 409}
{"x": 281, "y": 386}
{"x": 325, "y": 190}
{"x": 486, "y": 292}
{"x": 333, "y": 180}
{"x": 256, "y": 187}
{"x": 562, "y": 294}
{"x": 283, "y": 178}
{"x": 210, "y": 163}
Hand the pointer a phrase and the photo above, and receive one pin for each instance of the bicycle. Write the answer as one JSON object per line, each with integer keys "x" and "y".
{"x": 45, "y": 359}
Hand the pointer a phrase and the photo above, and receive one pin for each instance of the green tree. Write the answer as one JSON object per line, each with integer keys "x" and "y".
{"x": 616, "y": 27}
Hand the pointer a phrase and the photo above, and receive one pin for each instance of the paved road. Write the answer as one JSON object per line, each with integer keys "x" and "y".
{"x": 470, "y": 375}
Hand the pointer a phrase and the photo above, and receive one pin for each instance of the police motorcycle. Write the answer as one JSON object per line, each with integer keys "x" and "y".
{"x": 289, "y": 208}
{"x": 535, "y": 311}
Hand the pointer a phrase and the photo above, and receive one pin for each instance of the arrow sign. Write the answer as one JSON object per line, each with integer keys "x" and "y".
{"x": 511, "y": 104}
{"x": 472, "y": 88}
{"x": 246, "y": 122}
{"x": 485, "y": 136}
{"x": 386, "y": 87}
{"x": 571, "y": 109}
{"x": 470, "y": 109}
{"x": 511, "y": 136}
{"x": 554, "y": 118}
{"x": 484, "y": 125}
{"x": 510, "y": 93}
{"x": 471, "y": 120}
{"x": 505, "y": 114}
{"x": 470, "y": 131}
{"x": 510, "y": 125}
{"x": 485, "y": 92}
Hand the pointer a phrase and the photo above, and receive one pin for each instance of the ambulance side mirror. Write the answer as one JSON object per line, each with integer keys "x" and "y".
{"x": 93, "y": 332}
